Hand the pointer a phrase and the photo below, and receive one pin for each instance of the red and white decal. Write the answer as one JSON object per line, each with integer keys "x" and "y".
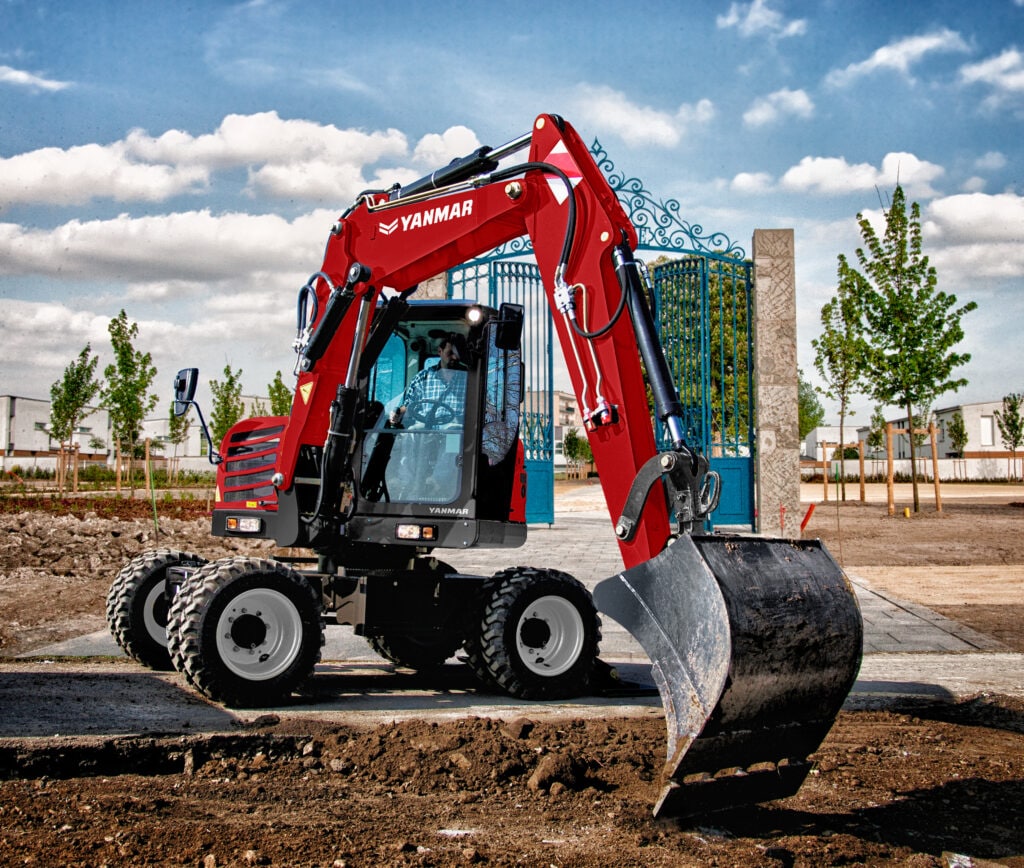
{"x": 560, "y": 157}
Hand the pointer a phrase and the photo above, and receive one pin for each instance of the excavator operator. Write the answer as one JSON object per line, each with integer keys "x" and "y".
{"x": 436, "y": 398}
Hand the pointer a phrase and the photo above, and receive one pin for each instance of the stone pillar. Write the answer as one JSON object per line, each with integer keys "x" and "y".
{"x": 777, "y": 454}
{"x": 435, "y": 287}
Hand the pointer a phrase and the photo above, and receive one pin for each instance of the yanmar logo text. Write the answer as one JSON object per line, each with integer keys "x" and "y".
{"x": 428, "y": 217}
{"x": 449, "y": 510}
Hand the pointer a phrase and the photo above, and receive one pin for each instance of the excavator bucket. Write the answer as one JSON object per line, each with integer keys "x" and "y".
{"x": 754, "y": 645}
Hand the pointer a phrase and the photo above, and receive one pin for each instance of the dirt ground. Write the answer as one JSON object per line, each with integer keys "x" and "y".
{"x": 917, "y": 783}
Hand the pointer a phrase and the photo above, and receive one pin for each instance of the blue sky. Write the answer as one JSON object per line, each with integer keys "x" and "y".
{"x": 185, "y": 161}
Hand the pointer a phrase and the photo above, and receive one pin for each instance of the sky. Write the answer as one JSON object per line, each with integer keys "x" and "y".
{"x": 185, "y": 161}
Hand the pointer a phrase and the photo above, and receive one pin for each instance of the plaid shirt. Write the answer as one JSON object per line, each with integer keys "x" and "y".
{"x": 437, "y": 385}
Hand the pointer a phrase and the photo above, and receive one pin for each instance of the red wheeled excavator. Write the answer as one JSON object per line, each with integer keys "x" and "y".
{"x": 403, "y": 441}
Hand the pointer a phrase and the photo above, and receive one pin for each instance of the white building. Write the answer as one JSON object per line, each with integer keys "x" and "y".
{"x": 26, "y": 441}
{"x": 25, "y": 433}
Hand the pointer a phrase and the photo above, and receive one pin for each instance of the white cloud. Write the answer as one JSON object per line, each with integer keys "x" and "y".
{"x": 20, "y": 78}
{"x": 751, "y": 19}
{"x": 752, "y": 182}
{"x": 286, "y": 158}
{"x": 993, "y": 160}
{"x": 976, "y": 236}
{"x": 777, "y": 105}
{"x": 250, "y": 329}
{"x": 834, "y": 175}
{"x": 188, "y": 246}
{"x": 974, "y": 184}
{"x": 243, "y": 140}
{"x": 608, "y": 109}
{"x": 899, "y": 55}
{"x": 434, "y": 151}
{"x": 75, "y": 175}
{"x": 976, "y": 217}
{"x": 1003, "y": 73}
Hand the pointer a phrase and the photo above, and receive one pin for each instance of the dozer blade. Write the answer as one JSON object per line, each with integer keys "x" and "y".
{"x": 754, "y": 645}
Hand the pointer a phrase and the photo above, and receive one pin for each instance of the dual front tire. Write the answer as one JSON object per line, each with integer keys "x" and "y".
{"x": 245, "y": 631}
{"x": 137, "y": 606}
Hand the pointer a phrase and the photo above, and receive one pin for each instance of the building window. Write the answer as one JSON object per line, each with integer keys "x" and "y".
{"x": 988, "y": 431}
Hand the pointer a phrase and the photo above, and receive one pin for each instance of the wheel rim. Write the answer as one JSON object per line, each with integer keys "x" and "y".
{"x": 550, "y": 636}
{"x": 259, "y": 634}
{"x": 154, "y": 613}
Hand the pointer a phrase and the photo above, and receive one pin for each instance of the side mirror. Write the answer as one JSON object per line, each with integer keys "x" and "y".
{"x": 185, "y": 389}
{"x": 508, "y": 333}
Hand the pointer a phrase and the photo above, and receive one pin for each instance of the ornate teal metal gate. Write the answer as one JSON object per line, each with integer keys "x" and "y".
{"x": 498, "y": 278}
{"x": 703, "y": 291}
{"x": 703, "y": 306}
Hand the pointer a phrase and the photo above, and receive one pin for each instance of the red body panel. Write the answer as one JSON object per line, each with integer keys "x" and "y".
{"x": 407, "y": 241}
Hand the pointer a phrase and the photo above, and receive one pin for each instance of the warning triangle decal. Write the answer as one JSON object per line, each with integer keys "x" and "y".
{"x": 560, "y": 157}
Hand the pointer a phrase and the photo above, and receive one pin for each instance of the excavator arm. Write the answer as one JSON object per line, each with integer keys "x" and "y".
{"x": 754, "y": 643}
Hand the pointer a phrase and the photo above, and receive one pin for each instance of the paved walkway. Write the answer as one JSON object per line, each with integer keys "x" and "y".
{"x": 581, "y": 543}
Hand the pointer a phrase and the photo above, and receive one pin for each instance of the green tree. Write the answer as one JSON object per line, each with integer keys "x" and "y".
{"x": 875, "y": 440}
{"x": 576, "y": 448}
{"x": 809, "y": 410}
{"x": 876, "y": 431}
{"x": 126, "y": 394}
{"x": 1011, "y": 426}
{"x": 839, "y": 351}
{"x": 956, "y": 430}
{"x": 227, "y": 403}
{"x": 911, "y": 326}
{"x": 177, "y": 433}
{"x": 280, "y": 397}
{"x": 69, "y": 398}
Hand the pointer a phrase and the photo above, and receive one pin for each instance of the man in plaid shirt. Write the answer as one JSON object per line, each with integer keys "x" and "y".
{"x": 436, "y": 398}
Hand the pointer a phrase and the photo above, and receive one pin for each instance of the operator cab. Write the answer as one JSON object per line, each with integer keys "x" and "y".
{"x": 440, "y": 434}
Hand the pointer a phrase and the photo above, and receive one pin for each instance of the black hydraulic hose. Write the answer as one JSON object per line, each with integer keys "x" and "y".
{"x": 570, "y": 223}
{"x": 570, "y": 237}
{"x": 302, "y": 319}
{"x": 625, "y": 287}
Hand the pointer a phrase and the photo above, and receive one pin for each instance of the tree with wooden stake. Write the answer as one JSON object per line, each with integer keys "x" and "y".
{"x": 69, "y": 398}
{"x": 1011, "y": 428}
{"x": 228, "y": 406}
{"x": 956, "y": 430}
{"x": 911, "y": 327}
{"x": 177, "y": 433}
{"x": 126, "y": 394}
{"x": 839, "y": 351}
{"x": 876, "y": 436}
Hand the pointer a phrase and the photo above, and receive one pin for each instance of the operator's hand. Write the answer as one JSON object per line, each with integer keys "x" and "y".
{"x": 396, "y": 416}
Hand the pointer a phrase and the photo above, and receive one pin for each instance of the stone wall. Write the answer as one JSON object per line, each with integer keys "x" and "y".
{"x": 777, "y": 463}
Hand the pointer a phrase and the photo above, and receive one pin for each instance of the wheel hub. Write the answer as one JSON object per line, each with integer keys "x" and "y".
{"x": 550, "y": 636}
{"x": 248, "y": 631}
{"x": 259, "y": 634}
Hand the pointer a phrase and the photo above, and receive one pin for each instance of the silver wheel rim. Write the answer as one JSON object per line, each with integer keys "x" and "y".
{"x": 156, "y": 630}
{"x": 259, "y": 634}
{"x": 549, "y": 636}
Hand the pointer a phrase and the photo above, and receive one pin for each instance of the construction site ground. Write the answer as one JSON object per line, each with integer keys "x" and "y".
{"x": 103, "y": 762}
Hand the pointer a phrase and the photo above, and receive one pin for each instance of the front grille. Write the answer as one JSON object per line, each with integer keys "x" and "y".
{"x": 250, "y": 461}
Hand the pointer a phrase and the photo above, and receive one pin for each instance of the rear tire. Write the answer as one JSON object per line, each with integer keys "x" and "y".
{"x": 246, "y": 631}
{"x": 422, "y": 653}
{"x": 137, "y": 607}
{"x": 539, "y": 633}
